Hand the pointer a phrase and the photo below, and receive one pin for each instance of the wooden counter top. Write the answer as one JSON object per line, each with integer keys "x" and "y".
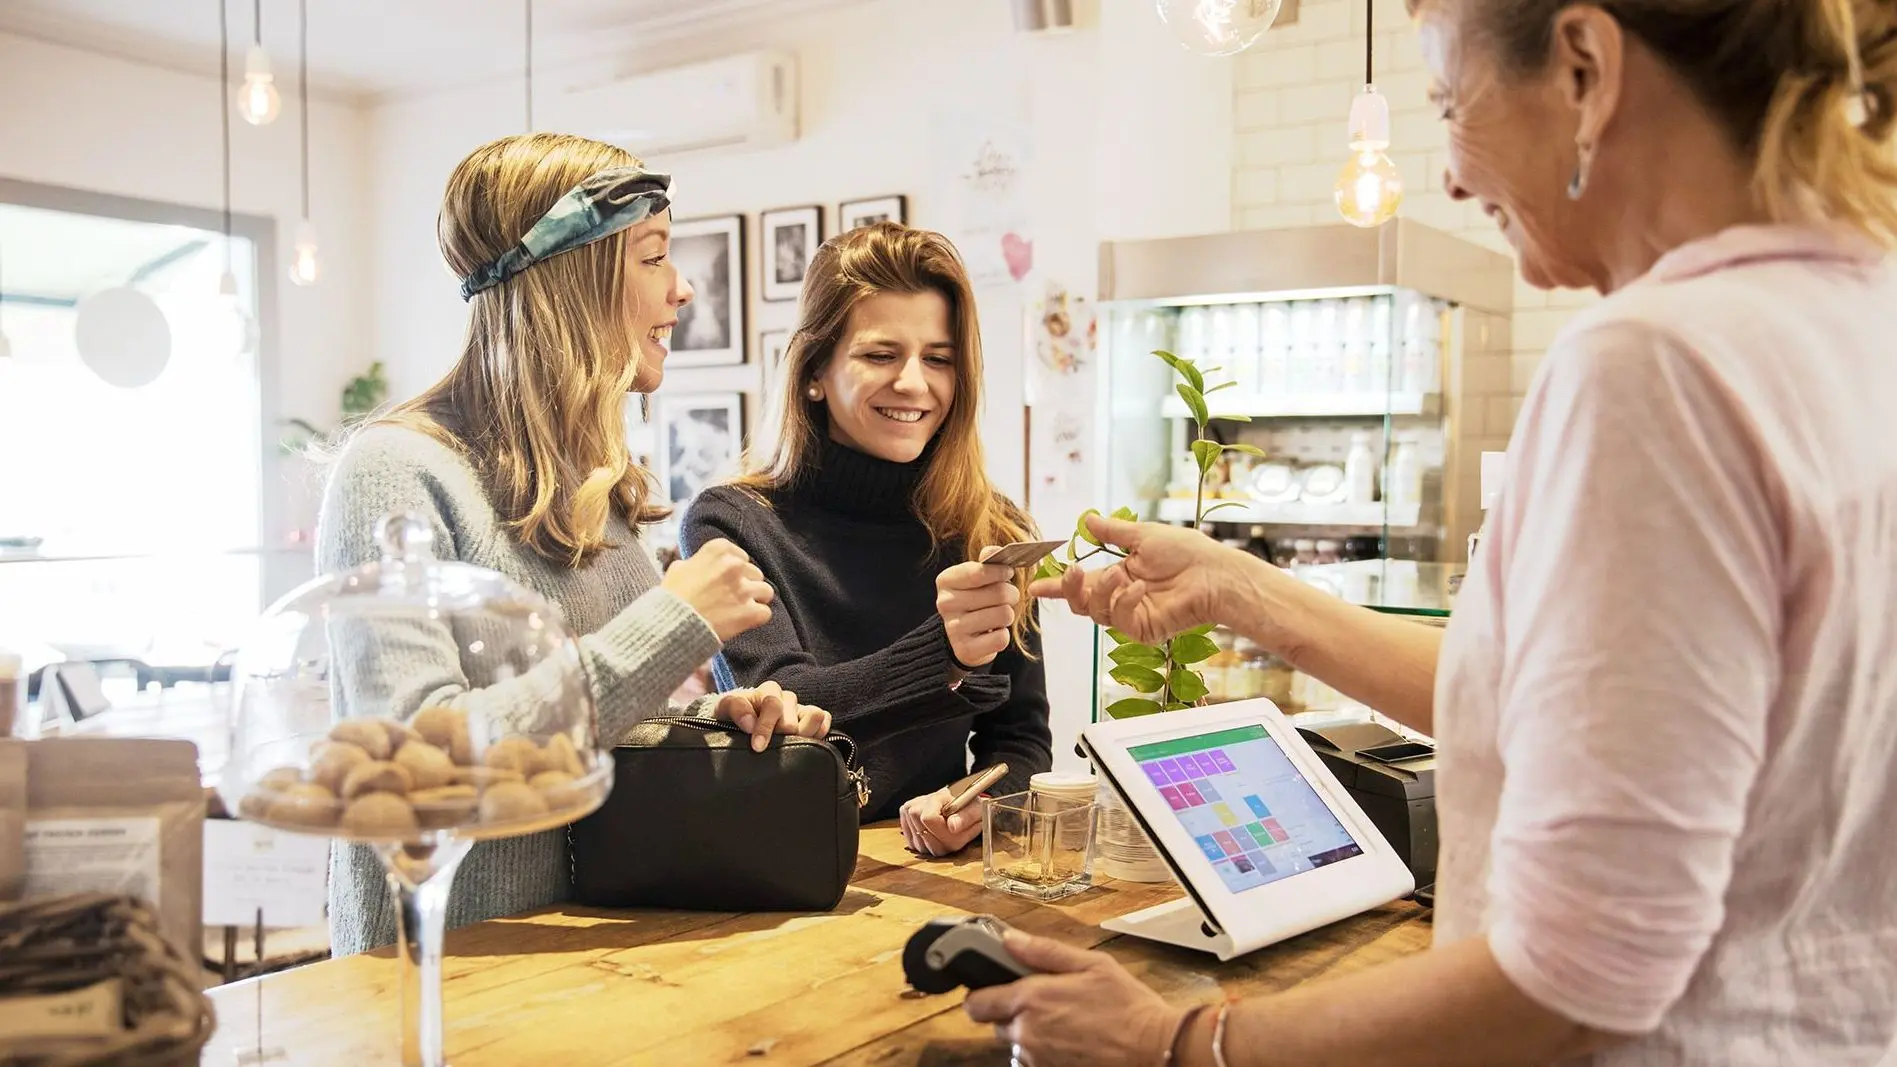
{"x": 574, "y": 987}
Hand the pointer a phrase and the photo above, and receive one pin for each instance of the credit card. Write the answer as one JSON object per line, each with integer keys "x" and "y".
{"x": 1022, "y": 553}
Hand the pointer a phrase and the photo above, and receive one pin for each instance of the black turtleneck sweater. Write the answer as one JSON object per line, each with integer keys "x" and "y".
{"x": 855, "y": 632}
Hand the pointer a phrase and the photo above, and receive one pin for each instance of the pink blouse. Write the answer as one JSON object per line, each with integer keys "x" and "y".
{"x": 1667, "y": 703}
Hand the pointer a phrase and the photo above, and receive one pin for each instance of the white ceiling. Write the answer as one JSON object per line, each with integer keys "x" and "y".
{"x": 379, "y": 48}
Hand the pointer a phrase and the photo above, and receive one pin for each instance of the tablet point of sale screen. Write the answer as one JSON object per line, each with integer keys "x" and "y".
{"x": 1246, "y": 805}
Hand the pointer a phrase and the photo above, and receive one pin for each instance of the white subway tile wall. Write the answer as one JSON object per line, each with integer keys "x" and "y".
{"x": 1291, "y": 101}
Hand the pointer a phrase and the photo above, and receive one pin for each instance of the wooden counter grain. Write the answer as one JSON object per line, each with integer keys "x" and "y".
{"x": 573, "y": 987}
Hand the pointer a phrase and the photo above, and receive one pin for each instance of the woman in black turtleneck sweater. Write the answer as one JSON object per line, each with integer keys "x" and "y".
{"x": 870, "y": 522}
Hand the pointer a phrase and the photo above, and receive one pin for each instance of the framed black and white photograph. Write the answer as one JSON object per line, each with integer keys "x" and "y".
{"x": 701, "y": 441}
{"x": 709, "y": 254}
{"x": 791, "y": 237}
{"x": 772, "y": 345}
{"x": 854, "y": 213}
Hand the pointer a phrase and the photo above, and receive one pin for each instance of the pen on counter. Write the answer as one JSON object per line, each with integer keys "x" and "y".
{"x": 975, "y": 789}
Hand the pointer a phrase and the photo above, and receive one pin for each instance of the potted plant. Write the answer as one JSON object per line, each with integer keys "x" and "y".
{"x": 362, "y": 395}
{"x": 1166, "y": 676}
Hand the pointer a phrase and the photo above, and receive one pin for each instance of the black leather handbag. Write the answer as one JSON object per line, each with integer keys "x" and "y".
{"x": 696, "y": 820}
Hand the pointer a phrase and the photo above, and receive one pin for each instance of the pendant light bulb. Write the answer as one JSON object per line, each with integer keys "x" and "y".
{"x": 257, "y": 99}
{"x": 1217, "y": 27}
{"x": 305, "y": 267}
{"x": 1369, "y": 188}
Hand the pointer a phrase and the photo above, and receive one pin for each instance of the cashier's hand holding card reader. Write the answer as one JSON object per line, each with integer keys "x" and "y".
{"x": 1265, "y": 839}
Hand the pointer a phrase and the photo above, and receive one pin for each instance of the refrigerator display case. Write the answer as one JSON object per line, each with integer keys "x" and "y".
{"x": 1342, "y": 359}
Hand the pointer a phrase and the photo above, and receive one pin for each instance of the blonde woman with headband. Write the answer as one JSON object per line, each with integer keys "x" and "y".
{"x": 871, "y": 521}
{"x": 517, "y": 460}
{"x": 1665, "y": 710}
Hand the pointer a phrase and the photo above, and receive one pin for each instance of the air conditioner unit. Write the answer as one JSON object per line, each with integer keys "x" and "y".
{"x": 744, "y": 101}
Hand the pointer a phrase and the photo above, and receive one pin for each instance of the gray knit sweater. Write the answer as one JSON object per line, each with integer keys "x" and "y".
{"x": 639, "y": 643}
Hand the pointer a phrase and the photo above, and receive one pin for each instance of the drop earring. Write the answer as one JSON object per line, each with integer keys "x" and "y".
{"x": 1578, "y": 184}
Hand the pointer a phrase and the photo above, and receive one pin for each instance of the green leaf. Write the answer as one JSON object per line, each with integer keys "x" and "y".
{"x": 1191, "y": 648}
{"x": 1201, "y": 631}
{"x": 1138, "y": 655}
{"x": 1250, "y": 450}
{"x": 1236, "y": 418}
{"x": 1132, "y": 706}
{"x": 1221, "y": 385}
{"x": 1208, "y": 453}
{"x": 1185, "y": 369}
{"x": 1080, "y": 527}
{"x": 1121, "y": 637}
{"x": 1140, "y": 679}
{"x": 1126, "y": 514}
{"x": 1195, "y": 401}
{"x": 1221, "y": 504}
{"x": 1050, "y": 568}
{"x": 1177, "y": 706}
{"x": 1187, "y": 686}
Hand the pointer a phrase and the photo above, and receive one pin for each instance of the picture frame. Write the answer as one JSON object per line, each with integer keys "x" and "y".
{"x": 709, "y": 253}
{"x": 700, "y": 442}
{"x": 854, "y": 213}
{"x": 790, "y": 236}
{"x": 772, "y": 346}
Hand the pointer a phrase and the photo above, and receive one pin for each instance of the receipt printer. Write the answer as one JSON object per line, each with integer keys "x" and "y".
{"x": 1392, "y": 779}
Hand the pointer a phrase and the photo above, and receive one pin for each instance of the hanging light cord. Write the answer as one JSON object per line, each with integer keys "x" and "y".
{"x": 256, "y": 21}
{"x": 303, "y": 92}
{"x": 530, "y": 65}
{"x": 1369, "y": 41}
{"x": 224, "y": 114}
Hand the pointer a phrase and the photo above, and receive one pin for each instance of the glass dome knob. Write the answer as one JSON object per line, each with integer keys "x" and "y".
{"x": 404, "y": 536}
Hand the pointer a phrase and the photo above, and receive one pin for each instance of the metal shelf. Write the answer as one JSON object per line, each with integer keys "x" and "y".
{"x": 1307, "y": 405}
{"x": 1177, "y": 509}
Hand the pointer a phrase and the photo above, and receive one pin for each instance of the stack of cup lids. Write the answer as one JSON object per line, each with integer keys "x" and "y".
{"x": 1079, "y": 788}
{"x": 1123, "y": 848}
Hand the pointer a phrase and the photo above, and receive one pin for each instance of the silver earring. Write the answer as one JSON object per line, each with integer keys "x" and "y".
{"x": 1578, "y": 184}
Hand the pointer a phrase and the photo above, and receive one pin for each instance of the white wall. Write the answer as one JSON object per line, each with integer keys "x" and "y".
{"x": 90, "y": 122}
{"x": 1132, "y": 138}
{"x": 1290, "y": 109}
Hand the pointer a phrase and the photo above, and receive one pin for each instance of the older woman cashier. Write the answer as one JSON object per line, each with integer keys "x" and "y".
{"x": 1665, "y": 708}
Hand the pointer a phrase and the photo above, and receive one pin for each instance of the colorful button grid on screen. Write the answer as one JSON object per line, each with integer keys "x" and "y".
{"x": 1223, "y": 762}
{"x": 1261, "y": 835}
{"x": 1173, "y": 769}
{"x": 1244, "y": 865}
{"x": 1211, "y": 848}
{"x": 1193, "y": 799}
{"x": 1155, "y": 773}
{"x": 1174, "y": 797}
{"x": 1227, "y": 842}
{"x": 1257, "y": 807}
{"x": 1226, "y": 814}
{"x": 1207, "y": 768}
{"x": 1207, "y": 789}
{"x": 1276, "y": 828}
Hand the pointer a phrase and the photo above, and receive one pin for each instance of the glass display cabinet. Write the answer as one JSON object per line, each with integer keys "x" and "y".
{"x": 1341, "y": 359}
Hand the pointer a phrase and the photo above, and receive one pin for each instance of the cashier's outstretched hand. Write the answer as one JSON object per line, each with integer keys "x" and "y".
{"x": 772, "y": 709}
{"x": 1082, "y": 1010}
{"x": 1168, "y": 582}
